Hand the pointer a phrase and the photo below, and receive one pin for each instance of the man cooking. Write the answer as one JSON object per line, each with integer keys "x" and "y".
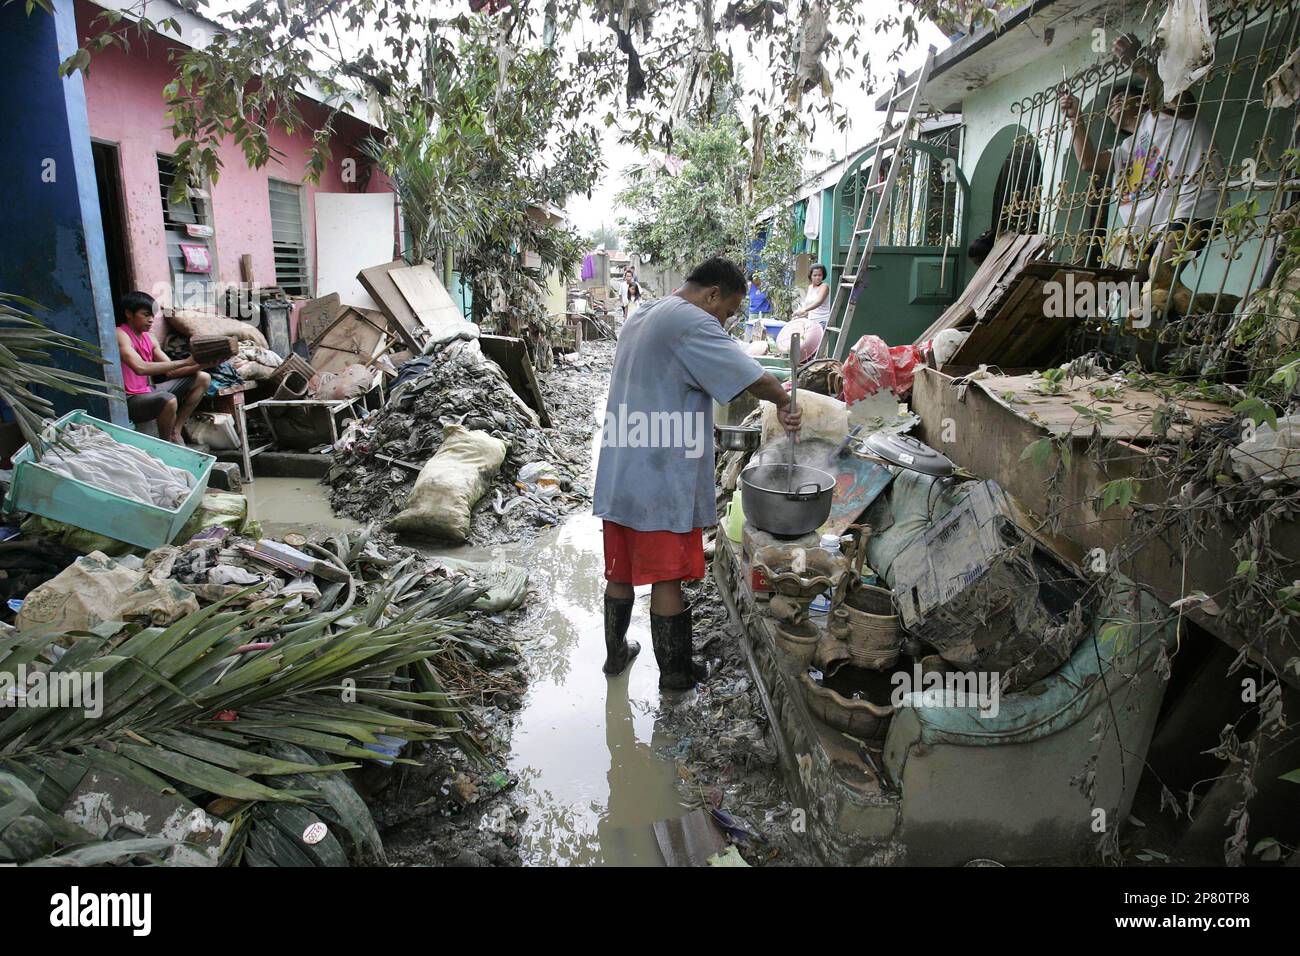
{"x": 654, "y": 479}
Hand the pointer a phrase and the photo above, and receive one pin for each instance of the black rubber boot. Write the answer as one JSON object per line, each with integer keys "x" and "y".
{"x": 671, "y": 635}
{"x": 619, "y": 651}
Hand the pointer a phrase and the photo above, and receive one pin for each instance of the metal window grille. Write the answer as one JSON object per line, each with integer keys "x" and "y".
{"x": 1249, "y": 173}
{"x": 925, "y": 206}
{"x": 287, "y": 237}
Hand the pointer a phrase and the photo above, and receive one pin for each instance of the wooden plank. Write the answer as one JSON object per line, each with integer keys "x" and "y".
{"x": 378, "y": 281}
{"x": 958, "y": 315}
{"x": 317, "y": 315}
{"x": 997, "y": 293}
{"x": 1018, "y": 332}
{"x": 512, "y": 355}
{"x": 356, "y": 337}
{"x": 986, "y": 340}
{"x": 434, "y": 308}
{"x": 1041, "y": 339}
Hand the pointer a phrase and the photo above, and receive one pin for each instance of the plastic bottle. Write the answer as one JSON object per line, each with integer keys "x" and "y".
{"x": 821, "y": 604}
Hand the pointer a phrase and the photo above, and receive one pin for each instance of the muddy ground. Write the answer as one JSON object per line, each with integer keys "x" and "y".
{"x": 579, "y": 766}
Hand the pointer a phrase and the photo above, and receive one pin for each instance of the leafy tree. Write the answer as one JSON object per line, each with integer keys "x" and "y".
{"x": 723, "y": 190}
{"x": 605, "y": 235}
{"x": 474, "y": 158}
{"x": 247, "y": 76}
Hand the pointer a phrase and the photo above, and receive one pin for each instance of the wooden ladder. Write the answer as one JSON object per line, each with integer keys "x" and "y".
{"x": 864, "y": 239}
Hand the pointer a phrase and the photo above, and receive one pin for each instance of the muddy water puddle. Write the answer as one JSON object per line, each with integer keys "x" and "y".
{"x": 284, "y": 505}
{"x": 584, "y": 745}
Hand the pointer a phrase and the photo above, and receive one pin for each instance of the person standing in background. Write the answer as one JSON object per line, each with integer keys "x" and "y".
{"x": 631, "y": 293}
{"x": 817, "y": 301}
{"x": 760, "y": 306}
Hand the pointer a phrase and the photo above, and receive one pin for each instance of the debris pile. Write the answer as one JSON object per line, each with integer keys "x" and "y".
{"x": 376, "y": 465}
{"x": 264, "y": 663}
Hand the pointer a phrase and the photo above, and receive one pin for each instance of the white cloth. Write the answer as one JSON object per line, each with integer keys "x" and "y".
{"x": 98, "y": 459}
{"x": 812, "y": 220}
{"x": 1156, "y": 174}
{"x": 1188, "y": 49}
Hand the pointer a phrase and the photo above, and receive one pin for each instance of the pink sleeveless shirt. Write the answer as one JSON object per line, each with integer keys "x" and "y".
{"x": 133, "y": 381}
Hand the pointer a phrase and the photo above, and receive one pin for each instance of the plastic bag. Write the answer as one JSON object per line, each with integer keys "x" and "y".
{"x": 872, "y": 366}
{"x": 95, "y": 589}
{"x": 540, "y": 478}
{"x": 214, "y": 429}
{"x": 947, "y": 344}
{"x": 824, "y": 418}
{"x": 1188, "y": 51}
{"x": 1272, "y": 455}
{"x": 507, "y": 583}
{"x": 450, "y": 484}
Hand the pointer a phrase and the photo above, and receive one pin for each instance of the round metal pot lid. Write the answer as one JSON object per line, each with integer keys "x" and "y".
{"x": 906, "y": 452}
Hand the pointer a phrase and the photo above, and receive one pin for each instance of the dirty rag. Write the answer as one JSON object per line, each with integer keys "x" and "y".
{"x": 98, "y": 459}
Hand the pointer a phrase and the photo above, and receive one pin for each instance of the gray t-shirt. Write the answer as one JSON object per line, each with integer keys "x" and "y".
{"x": 655, "y": 471}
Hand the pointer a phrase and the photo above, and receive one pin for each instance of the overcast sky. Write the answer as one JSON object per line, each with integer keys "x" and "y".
{"x": 588, "y": 214}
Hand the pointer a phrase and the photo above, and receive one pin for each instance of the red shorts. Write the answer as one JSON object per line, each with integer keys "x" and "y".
{"x": 646, "y": 557}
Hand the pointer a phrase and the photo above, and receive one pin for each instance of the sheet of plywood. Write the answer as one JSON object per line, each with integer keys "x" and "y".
{"x": 435, "y": 309}
{"x": 357, "y": 336}
{"x": 512, "y": 355}
{"x": 1019, "y": 332}
{"x": 353, "y": 231}
{"x": 378, "y": 281}
{"x": 960, "y": 313}
{"x": 1130, "y": 411}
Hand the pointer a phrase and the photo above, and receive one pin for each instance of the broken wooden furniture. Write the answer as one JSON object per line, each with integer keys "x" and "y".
{"x": 417, "y": 304}
{"x": 1005, "y": 307}
{"x": 327, "y": 416}
{"x": 512, "y": 355}
{"x": 354, "y": 337}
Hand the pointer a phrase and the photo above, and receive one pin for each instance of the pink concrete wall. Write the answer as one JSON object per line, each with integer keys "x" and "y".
{"x": 124, "y": 93}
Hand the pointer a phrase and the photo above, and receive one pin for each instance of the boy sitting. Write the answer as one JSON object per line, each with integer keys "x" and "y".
{"x": 171, "y": 401}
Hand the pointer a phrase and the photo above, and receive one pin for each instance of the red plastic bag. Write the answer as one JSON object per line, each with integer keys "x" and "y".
{"x": 872, "y": 365}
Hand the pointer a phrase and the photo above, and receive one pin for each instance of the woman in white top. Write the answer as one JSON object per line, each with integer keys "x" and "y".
{"x": 817, "y": 303}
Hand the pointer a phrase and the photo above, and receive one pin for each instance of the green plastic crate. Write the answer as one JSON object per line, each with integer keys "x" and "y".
{"x": 42, "y": 492}
{"x": 777, "y": 365}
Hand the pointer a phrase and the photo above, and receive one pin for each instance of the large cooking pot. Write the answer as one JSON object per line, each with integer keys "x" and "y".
{"x": 776, "y": 504}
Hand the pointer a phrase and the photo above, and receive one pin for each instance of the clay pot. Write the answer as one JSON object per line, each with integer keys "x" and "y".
{"x": 798, "y": 640}
{"x": 861, "y": 718}
{"x": 875, "y": 638}
{"x": 823, "y": 571}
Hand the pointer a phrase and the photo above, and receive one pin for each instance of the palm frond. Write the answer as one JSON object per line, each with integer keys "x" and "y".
{"x": 334, "y": 679}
